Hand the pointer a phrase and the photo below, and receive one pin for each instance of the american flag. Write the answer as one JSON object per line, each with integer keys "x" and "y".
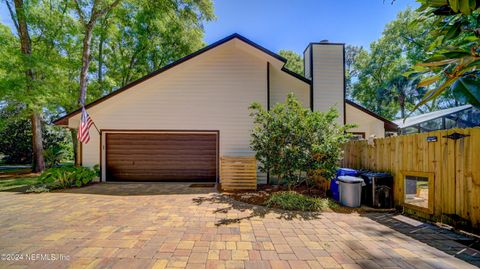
{"x": 86, "y": 122}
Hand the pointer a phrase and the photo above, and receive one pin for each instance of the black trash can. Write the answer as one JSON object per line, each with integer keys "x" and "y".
{"x": 378, "y": 190}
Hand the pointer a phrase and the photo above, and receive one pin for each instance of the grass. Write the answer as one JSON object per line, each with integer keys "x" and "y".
{"x": 16, "y": 182}
{"x": 15, "y": 170}
{"x": 290, "y": 200}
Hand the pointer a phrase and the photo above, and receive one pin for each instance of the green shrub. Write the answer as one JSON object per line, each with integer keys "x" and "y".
{"x": 290, "y": 200}
{"x": 96, "y": 168}
{"x": 37, "y": 189}
{"x": 16, "y": 136}
{"x": 54, "y": 155}
{"x": 294, "y": 143}
{"x": 66, "y": 177}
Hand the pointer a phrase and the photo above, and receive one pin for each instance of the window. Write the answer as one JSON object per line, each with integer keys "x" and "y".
{"x": 449, "y": 123}
{"x": 418, "y": 190}
{"x": 358, "y": 135}
{"x": 410, "y": 130}
{"x": 431, "y": 125}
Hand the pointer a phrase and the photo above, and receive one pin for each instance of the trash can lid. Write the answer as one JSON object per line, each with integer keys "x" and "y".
{"x": 343, "y": 169}
{"x": 350, "y": 179}
{"x": 376, "y": 174}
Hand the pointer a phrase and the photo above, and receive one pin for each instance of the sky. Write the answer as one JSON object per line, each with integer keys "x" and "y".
{"x": 292, "y": 24}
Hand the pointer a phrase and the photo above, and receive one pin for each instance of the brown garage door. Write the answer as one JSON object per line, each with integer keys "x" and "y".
{"x": 161, "y": 156}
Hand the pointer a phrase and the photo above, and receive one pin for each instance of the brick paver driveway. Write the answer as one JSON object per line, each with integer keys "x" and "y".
{"x": 174, "y": 226}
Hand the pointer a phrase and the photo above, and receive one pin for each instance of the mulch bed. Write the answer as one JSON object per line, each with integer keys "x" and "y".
{"x": 263, "y": 192}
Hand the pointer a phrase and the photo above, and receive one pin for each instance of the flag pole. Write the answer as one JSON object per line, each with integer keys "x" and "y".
{"x": 92, "y": 120}
{"x": 95, "y": 126}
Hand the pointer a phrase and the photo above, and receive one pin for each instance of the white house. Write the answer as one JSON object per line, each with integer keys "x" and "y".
{"x": 175, "y": 123}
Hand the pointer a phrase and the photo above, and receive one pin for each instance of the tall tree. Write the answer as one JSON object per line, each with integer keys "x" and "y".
{"x": 147, "y": 36}
{"x": 379, "y": 85}
{"x": 351, "y": 72}
{"x": 19, "y": 15}
{"x": 88, "y": 13}
{"x": 294, "y": 61}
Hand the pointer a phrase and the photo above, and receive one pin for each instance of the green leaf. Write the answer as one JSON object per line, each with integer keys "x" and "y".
{"x": 436, "y": 58}
{"x": 467, "y": 90}
{"x": 456, "y": 54}
{"x": 455, "y": 5}
{"x": 409, "y": 73}
{"x": 418, "y": 68}
{"x": 428, "y": 81}
{"x": 437, "y": 3}
{"x": 439, "y": 63}
{"x": 473, "y": 4}
{"x": 432, "y": 94}
{"x": 436, "y": 43}
{"x": 471, "y": 39}
{"x": 465, "y": 7}
{"x": 453, "y": 31}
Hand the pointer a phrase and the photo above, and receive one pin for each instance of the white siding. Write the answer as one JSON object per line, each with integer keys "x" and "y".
{"x": 328, "y": 78}
{"x": 209, "y": 92}
{"x": 366, "y": 123}
{"x": 281, "y": 84}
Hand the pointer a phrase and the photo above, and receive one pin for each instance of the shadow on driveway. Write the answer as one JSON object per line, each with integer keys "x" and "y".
{"x": 249, "y": 211}
{"x": 450, "y": 242}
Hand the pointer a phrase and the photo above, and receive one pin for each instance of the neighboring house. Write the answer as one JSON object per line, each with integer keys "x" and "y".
{"x": 175, "y": 123}
{"x": 460, "y": 116}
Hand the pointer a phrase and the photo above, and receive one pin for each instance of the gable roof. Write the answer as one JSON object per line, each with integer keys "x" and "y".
{"x": 64, "y": 120}
{"x": 389, "y": 125}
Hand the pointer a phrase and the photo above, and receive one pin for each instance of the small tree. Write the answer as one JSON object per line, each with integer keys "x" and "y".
{"x": 294, "y": 143}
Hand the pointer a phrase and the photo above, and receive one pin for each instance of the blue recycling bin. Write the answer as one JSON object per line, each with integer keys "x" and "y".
{"x": 333, "y": 182}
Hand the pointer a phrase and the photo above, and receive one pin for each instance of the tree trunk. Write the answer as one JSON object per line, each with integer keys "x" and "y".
{"x": 37, "y": 143}
{"x": 100, "y": 62}
{"x": 76, "y": 153}
{"x": 87, "y": 39}
{"x": 26, "y": 48}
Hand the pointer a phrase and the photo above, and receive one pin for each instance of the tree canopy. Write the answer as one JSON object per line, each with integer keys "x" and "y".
{"x": 131, "y": 39}
{"x": 294, "y": 61}
{"x": 377, "y": 76}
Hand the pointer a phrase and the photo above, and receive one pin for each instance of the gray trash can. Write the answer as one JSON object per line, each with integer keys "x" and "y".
{"x": 350, "y": 189}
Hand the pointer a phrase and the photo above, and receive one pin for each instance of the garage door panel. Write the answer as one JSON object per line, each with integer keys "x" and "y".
{"x": 130, "y": 150}
{"x": 166, "y": 137}
{"x": 166, "y": 143}
{"x": 205, "y": 165}
{"x": 171, "y": 178}
{"x": 146, "y": 158}
{"x": 167, "y": 174}
{"x": 161, "y": 156}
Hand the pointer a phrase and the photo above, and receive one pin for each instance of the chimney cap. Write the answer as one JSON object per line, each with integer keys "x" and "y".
{"x": 324, "y": 41}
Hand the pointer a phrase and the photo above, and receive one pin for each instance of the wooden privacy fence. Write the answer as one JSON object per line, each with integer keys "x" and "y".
{"x": 452, "y": 160}
{"x": 238, "y": 173}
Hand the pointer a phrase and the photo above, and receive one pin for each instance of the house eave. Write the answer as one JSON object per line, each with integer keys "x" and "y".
{"x": 388, "y": 125}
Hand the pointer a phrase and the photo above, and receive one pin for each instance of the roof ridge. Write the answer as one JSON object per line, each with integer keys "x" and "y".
{"x": 62, "y": 120}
